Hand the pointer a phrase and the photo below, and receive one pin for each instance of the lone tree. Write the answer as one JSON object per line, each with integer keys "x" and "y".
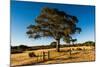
{"x": 53, "y": 23}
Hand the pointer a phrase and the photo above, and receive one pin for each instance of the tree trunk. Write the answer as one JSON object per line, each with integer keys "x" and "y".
{"x": 58, "y": 45}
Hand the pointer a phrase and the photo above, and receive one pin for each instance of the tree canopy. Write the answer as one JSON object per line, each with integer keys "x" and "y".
{"x": 53, "y": 23}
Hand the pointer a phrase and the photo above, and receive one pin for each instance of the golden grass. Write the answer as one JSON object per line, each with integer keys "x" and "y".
{"x": 86, "y": 54}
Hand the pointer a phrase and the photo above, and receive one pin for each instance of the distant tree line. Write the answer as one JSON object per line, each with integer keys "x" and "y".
{"x": 22, "y": 48}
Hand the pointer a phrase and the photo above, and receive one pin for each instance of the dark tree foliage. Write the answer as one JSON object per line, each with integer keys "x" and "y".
{"x": 53, "y": 23}
{"x": 53, "y": 44}
{"x": 89, "y": 43}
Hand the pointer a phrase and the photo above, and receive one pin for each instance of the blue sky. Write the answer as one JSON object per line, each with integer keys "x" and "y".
{"x": 24, "y": 13}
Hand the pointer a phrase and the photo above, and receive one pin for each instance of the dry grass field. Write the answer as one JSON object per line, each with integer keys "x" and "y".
{"x": 77, "y": 54}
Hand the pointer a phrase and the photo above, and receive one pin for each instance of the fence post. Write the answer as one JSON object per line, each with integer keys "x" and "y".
{"x": 37, "y": 58}
{"x": 70, "y": 51}
{"x": 48, "y": 54}
{"x": 43, "y": 56}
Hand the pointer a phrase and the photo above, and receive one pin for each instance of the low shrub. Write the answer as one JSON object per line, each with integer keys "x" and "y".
{"x": 31, "y": 54}
{"x": 79, "y": 48}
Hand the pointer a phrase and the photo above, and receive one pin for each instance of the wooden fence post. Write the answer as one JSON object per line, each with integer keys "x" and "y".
{"x": 37, "y": 58}
{"x": 43, "y": 56}
{"x": 48, "y": 54}
{"x": 70, "y": 51}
